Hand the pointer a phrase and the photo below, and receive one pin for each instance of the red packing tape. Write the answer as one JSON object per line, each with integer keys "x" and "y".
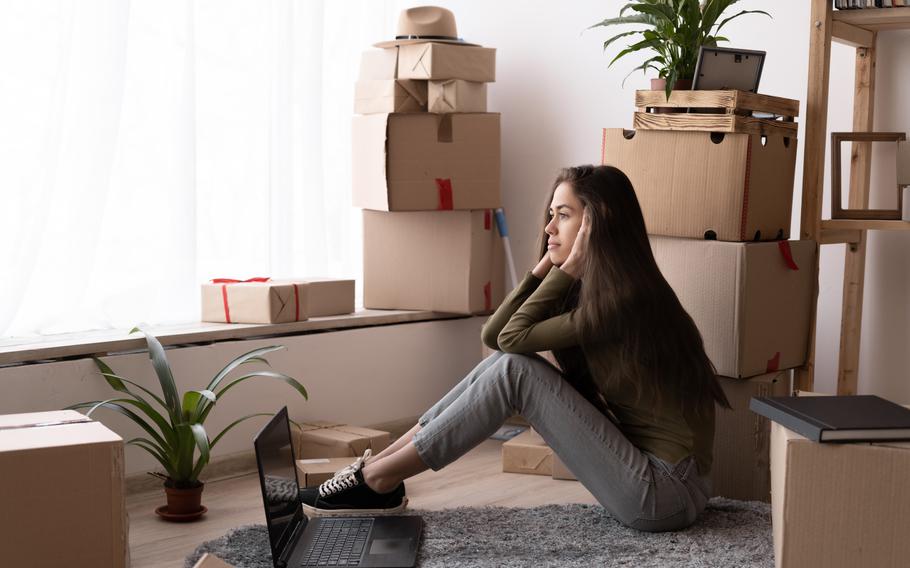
{"x": 445, "y": 194}
{"x": 227, "y": 310}
{"x": 787, "y": 253}
{"x": 487, "y": 220}
{"x": 487, "y": 296}
{"x": 773, "y": 363}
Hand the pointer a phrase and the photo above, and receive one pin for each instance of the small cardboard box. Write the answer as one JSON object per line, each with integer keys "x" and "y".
{"x": 741, "y": 467}
{"x": 839, "y": 505}
{"x": 329, "y": 296}
{"x": 561, "y": 471}
{"x": 455, "y": 95}
{"x": 391, "y": 95}
{"x": 443, "y": 261}
{"x": 62, "y": 492}
{"x": 211, "y": 561}
{"x": 324, "y": 439}
{"x": 527, "y": 453}
{"x": 378, "y": 64}
{"x": 254, "y": 302}
{"x": 426, "y": 162}
{"x": 446, "y": 61}
{"x": 750, "y": 301}
{"x": 314, "y": 471}
{"x": 693, "y": 184}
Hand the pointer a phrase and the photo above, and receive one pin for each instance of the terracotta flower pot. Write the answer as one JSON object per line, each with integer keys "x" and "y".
{"x": 183, "y": 504}
{"x": 661, "y": 85}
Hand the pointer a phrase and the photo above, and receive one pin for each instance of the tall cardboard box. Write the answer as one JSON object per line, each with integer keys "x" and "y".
{"x": 447, "y": 61}
{"x": 728, "y": 186}
{"x": 61, "y": 489}
{"x": 742, "y": 466}
{"x": 443, "y": 261}
{"x": 426, "y": 162}
{"x": 750, "y": 301}
{"x": 839, "y": 505}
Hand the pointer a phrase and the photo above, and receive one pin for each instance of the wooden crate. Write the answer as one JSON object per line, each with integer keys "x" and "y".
{"x": 723, "y": 111}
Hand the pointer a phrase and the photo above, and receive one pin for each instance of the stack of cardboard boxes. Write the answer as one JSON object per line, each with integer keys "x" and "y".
{"x": 426, "y": 160}
{"x": 717, "y": 206}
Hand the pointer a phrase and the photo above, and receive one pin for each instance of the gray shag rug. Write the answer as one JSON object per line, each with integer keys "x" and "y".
{"x": 728, "y": 534}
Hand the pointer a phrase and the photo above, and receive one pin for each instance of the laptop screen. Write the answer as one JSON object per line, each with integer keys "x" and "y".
{"x": 278, "y": 479}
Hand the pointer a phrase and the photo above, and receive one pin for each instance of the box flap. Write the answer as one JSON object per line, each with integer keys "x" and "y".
{"x": 56, "y": 436}
{"x": 36, "y": 419}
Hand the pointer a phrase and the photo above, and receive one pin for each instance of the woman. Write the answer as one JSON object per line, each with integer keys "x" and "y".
{"x": 631, "y": 413}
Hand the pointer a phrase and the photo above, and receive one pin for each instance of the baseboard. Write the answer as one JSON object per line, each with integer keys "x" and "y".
{"x": 243, "y": 463}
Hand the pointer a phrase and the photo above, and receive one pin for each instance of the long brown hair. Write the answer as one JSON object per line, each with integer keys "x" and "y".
{"x": 624, "y": 300}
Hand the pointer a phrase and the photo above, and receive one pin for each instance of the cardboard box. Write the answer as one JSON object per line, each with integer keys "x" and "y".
{"x": 455, "y": 95}
{"x": 560, "y": 471}
{"x": 323, "y": 439}
{"x": 329, "y": 296}
{"x": 839, "y": 505}
{"x": 446, "y": 61}
{"x": 694, "y": 184}
{"x": 749, "y": 303}
{"x": 254, "y": 302}
{"x": 378, "y": 64}
{"x": 741, "y": 468}
{"x": 211, "y": 561}
{"x": 62, "y": 492}
{"x": 442, "y": 261}
{"x": 425, "y": 162}
{"x": 314, "y": 471}
{"x": 392, "y": 95}
{"x": 527, "y": 453}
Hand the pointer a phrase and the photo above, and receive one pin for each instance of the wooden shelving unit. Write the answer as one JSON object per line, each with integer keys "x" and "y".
{"x": 859, "y": 29}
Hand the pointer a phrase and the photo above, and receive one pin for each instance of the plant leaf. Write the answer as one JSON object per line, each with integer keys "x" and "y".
{"x": 157, "y": 452}
{"x": 116, "y": 404}
{"x": 239, "y": 361}
{"x": 234, "y": 423}
{"x": 741, "y": 13}
{"x": 165, "y": 376}
{"x": 267, "y": 374}
{"x": 637, "y": 19}
{"x": 202, "y": 442}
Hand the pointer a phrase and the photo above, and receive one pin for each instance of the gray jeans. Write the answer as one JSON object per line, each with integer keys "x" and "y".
{"x": 639, "y": 489}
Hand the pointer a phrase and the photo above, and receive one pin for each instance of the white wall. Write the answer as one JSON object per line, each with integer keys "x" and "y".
{"x": 555, "y": 93}
{"x": 362, "y": 376}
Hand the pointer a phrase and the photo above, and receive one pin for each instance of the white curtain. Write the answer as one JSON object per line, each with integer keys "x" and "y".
{"x": 147, "y": 146}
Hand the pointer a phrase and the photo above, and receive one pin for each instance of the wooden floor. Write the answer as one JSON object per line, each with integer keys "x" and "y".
{"x": 474, "y": 480}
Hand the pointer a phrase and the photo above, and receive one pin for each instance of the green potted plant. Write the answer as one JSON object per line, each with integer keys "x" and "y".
{"x": 177, "y": 438}
{"x": 671, "y": 31}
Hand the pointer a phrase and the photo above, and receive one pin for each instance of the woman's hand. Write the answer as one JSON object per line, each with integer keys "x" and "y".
{"x": 543, "y": 267}
{"x": 574, "y": 264}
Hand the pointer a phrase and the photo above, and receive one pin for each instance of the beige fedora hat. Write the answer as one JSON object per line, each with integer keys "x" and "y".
{"x": 425, "y": 24}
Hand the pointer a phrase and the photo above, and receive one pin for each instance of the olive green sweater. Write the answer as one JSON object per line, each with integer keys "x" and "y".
{"x": 529, "y": 321}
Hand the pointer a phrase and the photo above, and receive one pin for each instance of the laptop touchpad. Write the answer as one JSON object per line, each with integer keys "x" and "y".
{"x": 390, "y": 545}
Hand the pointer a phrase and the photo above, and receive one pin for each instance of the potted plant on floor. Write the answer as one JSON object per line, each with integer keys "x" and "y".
{"x": 672, "y": 31}
{"x": 177, "y": 438}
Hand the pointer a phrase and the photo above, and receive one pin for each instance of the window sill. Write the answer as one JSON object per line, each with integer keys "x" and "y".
{"x": 45, "y": 349}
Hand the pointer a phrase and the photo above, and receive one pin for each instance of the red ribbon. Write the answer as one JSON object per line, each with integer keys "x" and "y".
{"x": 224, "y": 282}
{"x": 444, "y": 186}
{"x": 296, "y": 303}
{"x": 787, "y": 253}
{"x": 773, "y": 363}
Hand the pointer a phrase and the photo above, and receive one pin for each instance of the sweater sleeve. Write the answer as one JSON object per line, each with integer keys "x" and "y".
{"x": 530, "y": 330}
{"x": 515, "y": 299}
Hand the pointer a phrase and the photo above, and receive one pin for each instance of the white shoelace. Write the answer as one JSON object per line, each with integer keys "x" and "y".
{"x": 344, "y": 478}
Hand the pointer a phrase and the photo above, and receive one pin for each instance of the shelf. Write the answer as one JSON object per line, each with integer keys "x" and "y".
{"x": 875, "y": 19}
{"x": 865, "y": 224}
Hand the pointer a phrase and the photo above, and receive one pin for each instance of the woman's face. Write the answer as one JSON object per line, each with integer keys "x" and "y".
{"x": 566, "y": 213}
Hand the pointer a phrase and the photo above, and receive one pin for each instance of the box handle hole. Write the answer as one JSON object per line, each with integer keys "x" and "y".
{"x": 717, "y": 137}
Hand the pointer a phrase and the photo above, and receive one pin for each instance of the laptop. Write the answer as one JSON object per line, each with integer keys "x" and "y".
{"x": 295, "y": 540}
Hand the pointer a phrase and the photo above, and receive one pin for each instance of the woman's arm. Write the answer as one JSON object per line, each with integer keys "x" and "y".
{"x": 530, "y": 330}
{"x": 515, "y": 299}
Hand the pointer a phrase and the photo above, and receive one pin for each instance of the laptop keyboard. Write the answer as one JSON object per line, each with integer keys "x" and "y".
{"x": 337, "y": 542}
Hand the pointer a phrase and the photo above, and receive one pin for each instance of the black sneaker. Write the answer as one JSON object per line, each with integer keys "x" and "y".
{"x": 347, "y": 494}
